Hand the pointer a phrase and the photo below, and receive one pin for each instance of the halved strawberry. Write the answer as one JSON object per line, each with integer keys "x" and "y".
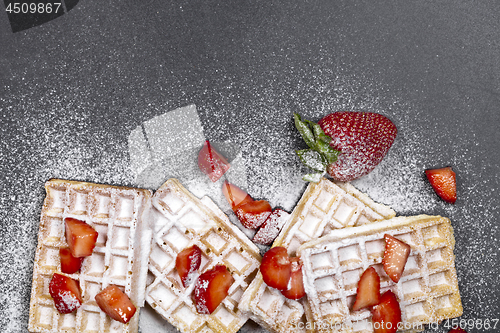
{"x": 395, "y": 255}
{"x": 235, "y": 195}
{"x": 387, "y": 314}
{"x": 80, "y": 236}
{"x": 252, "y": 214}
{"x": 211, "y": 288}
{"x": 295, "y": 288}
{"x": 444, "y": 183}
{"x": 65, "y": 292}
{"x": 69, "y": 264}
{"x": 211, "y": 163}
{"x": 115, "y": 303}
{"x": 347, "y": 145}
{"x": 187, "y": 262}
{"x": 457, "y": 329}
{"x": 270, "y": 229}
{"x": 368, "y": 293}
{"x": 276, "y": 268}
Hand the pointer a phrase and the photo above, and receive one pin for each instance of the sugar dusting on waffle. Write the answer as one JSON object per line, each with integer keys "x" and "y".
{"x": 183, "y": 220}
{"x": 427, "y": 292}
{"x": 120, "y": 216}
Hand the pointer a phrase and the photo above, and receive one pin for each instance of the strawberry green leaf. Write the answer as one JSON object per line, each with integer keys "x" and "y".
{"x": 312, "y": 177}
{"x": 312, "y": 159}
{"x": 327, "y": 151}
{"x": 304, "y": 130}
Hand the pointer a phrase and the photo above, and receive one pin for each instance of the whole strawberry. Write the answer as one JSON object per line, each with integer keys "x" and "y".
{"x": 347, "y": 145}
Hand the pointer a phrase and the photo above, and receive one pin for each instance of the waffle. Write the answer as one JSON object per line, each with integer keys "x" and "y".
{"x": 183, "y": 220}
{"x": 119, "y": 215}
{"x": 427, "y": 291}
{"x": 324, "y": 207}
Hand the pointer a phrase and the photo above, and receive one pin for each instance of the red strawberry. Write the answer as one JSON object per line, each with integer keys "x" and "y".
{"x": 387, "y": 314}
{"x": 347, "y": 145}
{"x": 368, "y": 293}
{"x": 211, "y": 289}
{"x": 69, "y": 264}
{"x": 295, "y": 288}
{"x": 211, "y": 162}
{"x": 65, "y": 292}
{"x": 187, "y": 262}
{"x": 115, "y": 304}
{"x": 235, "y": 195}
{"x": 252, "y": 214}
{"x": 270, "y": 229}
{"x": 395, "y": 256}
{"x": 457, "y": 329}
{"x": 276, "y": 268}
{"x": 80, "y": 236}
{"x": 444, "y": 182}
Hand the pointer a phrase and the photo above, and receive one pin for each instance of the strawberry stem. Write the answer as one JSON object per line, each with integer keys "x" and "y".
{"x": 320, "y": 154}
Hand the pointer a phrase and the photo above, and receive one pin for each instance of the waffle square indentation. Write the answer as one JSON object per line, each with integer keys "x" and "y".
{"x": 102, "y": 234}
{"x": 311, "y": 223}
{"x": 351, "y": 278}
{"x": 350, "y": 255}
{"x": 159, "y": 258}
{"x": 163, "y": 296}
{"x": 121, "y": 238}
{"x": 55, "y": 227}
{"x": 375, "y": 249}
{"x": 78, "y": 202}
{"x": 67, "y": 321}
{"x": 413, "y": 289}
{"x": 172, "y": 202}
{"x": 440, "y": 282}
{"x": 125, "y": 208}
{"x": 236, "y": 261}
{"x": 418, "y": 312}
{"x": 438, "y": 258}
{"x": 118, "y": 267}
{"x": 413, "y": 265}
{"x": 101, "y": 206}
{"x": 185, "y": 315}
{"x": 192, "y": 220}
{"x": 343, "y": 213}
{"x": 432, "y": 236}
{"x": 332, "y": 310}
{"x": 94, "y": 265}
{"x": 324, "y": 200}
{"x": 44, "y": 316}
{"x": 269, "y": 302}
{"x": 408, "y": 238}
{"x": 90, "y": 321}
{"x": 215, "y": 242}
{"x": 176, "y": 239}
{"x": 322, "y": 260}
{"x": 225, "y": 317}
{"x": 326, "y": 287}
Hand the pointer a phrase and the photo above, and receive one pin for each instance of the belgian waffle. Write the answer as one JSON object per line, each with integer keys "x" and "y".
{"x": 119, "y": 215}
{"x": 183, "y": 220}
{"x": 427, "y": 291}
{"x": 324, "y": 207}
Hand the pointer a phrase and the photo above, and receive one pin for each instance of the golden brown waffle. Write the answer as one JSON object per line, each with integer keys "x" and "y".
{"x": 182, "y": 221}
{"x": 119, "y": 215}
{"x": 427, "y": 291}
{"x": 324, "y": 207}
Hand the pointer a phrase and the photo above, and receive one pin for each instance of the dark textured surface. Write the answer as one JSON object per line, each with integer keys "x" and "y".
{"x": 72, "y": 90}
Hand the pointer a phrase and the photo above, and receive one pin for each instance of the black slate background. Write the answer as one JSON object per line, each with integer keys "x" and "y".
{"x": 72, "y": 89}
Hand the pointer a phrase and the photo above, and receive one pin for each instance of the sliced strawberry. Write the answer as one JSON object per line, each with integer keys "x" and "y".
{"x": 80, "y": 236}
{"x": 457, "y": 329}
{"x": 276, "y": 268}
{"x": 116, "y": 304}
{"x": 252, "y": 214}
{"x": 444, "y": 183}
{"x": 65, "y": 292}
{"x": 69, "y": 264}
{"x": 211, "y": 163}
{"x": 235, "y": 195}
{"x": 295, "y": 288}
{"x": 270, "y": 229}
{"x": 387, "y": 314}
{"x": 368, "y": 293}
{"x": 187, "y": 262}
{"x": 395, "y": 255}
{"x": 347, "y": 145}
{"x": 211, "y": 288}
